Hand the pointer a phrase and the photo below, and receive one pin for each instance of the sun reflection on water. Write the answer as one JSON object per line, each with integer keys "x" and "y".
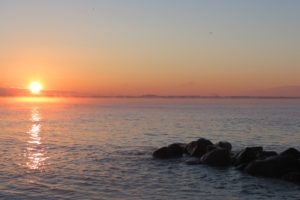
{"x": 35, "y": 151}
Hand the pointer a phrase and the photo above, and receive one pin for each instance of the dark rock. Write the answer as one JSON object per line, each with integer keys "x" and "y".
{"x": 292, "y": 176}
{"x": 275, "y": 166}
{"x": 195, "y": 161}
{"x": 217, "y": 157}
{"x": 241, "y": 167}
{"x": 210, "y": 148}
{"x": 247, "y": 155}
{"x": 198, "y": 148}
{"x": 161, "y": 153}
{"x": 221, "y": 144}
{"x": 224, "y": 145}
{"x": 265, "y": 154}
{"x": 178, "y": 147}
{"x": 291, "y": 152}
{"x": 175, "y": 150}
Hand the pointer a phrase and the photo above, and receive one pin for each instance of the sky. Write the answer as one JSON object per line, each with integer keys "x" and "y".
{"x": 163, "y": 47}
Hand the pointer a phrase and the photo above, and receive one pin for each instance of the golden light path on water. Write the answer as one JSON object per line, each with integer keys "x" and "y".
{"x": 35, "y": 151}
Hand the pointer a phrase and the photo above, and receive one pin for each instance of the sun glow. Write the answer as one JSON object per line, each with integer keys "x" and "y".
{"x": 35, "y": 88}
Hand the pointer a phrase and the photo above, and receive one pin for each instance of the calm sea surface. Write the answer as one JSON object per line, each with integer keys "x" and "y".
{"x": 101, "y": 148}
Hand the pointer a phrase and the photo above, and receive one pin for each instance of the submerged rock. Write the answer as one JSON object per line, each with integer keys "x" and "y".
{"x": 175, "y": 150}
{"x": 198, "y": 148}
{"x": 217, "y": 157}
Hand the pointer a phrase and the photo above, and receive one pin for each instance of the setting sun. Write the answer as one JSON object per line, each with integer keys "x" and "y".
{"x": 35, "y": 87}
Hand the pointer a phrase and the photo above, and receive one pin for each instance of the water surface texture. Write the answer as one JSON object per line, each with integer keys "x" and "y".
{"x": 101, "y": 148}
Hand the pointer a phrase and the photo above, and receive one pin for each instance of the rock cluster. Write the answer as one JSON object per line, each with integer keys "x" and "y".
{"x": 252, "y": 160}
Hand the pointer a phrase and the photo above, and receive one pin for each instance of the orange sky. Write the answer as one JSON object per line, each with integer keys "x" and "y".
{"x": 179, "y": 48}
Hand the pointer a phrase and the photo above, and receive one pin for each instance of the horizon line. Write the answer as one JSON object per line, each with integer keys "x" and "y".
{"x": 157, "y": 96}
{"x": 20, "y": 92}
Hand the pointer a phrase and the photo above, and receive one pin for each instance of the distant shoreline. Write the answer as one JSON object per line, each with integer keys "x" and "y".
{"x": 18, "y": 92}
{"x": 155, "y": 97}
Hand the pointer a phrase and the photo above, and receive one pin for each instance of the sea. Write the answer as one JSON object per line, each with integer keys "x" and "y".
{"x": 101, "y": 148}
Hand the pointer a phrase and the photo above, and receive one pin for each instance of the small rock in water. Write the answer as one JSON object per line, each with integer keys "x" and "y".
{"x": 210, "y": 148}
{"x": 217, "y": 157}
{"x": 291, "y": 152}
{"x": 292, "y": 176}
{"x": 247, "y": 155}
{"x": 265, "y": 154}
{"x": 224, "y": 145}
{"x": 161, "y": 153}
{"x": 275, "y": 166}
{"x": 198, "y": 148}
{"x": 175, "y": 150}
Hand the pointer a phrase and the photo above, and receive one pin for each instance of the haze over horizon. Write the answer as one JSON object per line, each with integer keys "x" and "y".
{"x": 278, "y": 92}
{"x": 152, "y": 47}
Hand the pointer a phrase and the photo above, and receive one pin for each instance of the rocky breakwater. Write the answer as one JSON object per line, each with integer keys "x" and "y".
{"x": 252, "y": 160}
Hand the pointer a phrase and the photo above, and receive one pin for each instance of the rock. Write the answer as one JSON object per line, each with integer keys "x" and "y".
{"x": 210, "y": 148}
{"x": 175, "y": 150}
{"x": 265, "y": 154}
{"x": 241, "y": 167}
{"x": 161, "y": 153}
{"x": 221, "y": 144}
{"x": 224, "y": 145}
{"x": 178, "y": 147}
{"x": 194, "y": 161}
{"x": 292, "y": 176}
{"x": 247, "y": 155}
{"x": 217, "y": 157}
{"x": 198, "y": 148}
{"x": 275, "y": 166}
{"x": 291, "y": 152}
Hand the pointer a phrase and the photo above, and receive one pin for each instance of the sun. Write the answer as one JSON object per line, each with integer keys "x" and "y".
{"x": 35, "y": 88}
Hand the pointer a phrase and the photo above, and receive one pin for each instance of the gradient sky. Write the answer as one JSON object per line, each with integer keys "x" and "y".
{"x": 166, "y": 47}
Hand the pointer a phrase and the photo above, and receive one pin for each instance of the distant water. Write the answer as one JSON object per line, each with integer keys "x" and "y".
{"x": 101, "y": 148}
